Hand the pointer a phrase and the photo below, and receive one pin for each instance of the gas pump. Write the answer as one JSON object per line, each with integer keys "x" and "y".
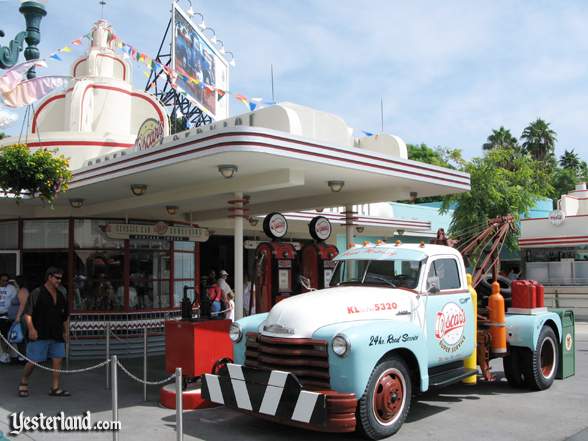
{"x": 274, "y": 265}
{"x": 316, "y": 260}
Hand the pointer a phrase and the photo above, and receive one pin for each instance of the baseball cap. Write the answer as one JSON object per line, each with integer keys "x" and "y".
{"x": 223, "y": 273}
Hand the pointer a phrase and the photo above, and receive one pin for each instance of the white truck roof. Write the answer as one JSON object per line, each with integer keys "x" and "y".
{"x": 403, "y": 251}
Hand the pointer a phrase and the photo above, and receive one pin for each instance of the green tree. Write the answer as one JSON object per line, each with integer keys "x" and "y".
{"x": 497, "y": 191}
{"x": 539, "y": 140}
{"x": 563, "y": 180}
{"x": 177, "y": 124}
{"x": 571, "y": 161}
{"x": 41, "y": 174}
{"x": 424, "y": 153}
{"x": 2, "y": 135}
{"x": 501, "y": 138}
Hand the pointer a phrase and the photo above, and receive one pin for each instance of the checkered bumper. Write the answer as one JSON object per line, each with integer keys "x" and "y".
{"x": 279, "y": 396}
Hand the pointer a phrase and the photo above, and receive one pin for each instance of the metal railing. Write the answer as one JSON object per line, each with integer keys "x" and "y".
{"x": 112, "y": 363}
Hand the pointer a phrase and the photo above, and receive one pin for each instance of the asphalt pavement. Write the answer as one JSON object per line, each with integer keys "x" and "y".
{"x": 488, "y": 411}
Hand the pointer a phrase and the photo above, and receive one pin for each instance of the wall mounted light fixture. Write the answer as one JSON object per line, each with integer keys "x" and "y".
{"x": 172, "y": 210}
{"x": 76, "y": 202}
{"x": 228, "y": 170}
{"x": 336, "y": 186}
{"x": 138, "y": 189}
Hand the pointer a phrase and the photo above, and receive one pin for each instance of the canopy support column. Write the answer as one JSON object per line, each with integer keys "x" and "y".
{"x": 349, "y": 226}
{"x": 238, "y": 212}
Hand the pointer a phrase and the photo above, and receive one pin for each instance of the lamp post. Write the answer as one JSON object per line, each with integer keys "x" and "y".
{"x": 33, "y": 13}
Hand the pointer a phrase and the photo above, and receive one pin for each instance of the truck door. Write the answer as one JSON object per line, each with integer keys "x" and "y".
{"x": 449, "y": 312}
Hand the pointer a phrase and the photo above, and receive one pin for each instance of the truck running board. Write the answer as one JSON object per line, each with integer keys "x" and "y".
{"x": 447, "y": 377}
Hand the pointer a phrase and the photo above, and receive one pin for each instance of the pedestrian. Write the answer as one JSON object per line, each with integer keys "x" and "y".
{"x": 222, "y": 282}
{"x": 248, "y": 296}
{"x": 215, "y": 295}
{"x": 230, "y": 306}
{"x": 7, "y": 294}
{"x": 16, "y": 309}
{"x": 46, "y": 316}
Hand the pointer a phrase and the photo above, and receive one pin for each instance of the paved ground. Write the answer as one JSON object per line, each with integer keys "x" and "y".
{"x": 487, "y": 411}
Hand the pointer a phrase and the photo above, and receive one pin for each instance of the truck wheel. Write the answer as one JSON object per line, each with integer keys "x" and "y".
{"x": 543, "y": 361}
{"x": 514, "y": 367}
{"x": 386, "y": 401}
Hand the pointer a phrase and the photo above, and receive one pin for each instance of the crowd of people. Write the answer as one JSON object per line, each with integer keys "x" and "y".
{"x": 41, "y": 315}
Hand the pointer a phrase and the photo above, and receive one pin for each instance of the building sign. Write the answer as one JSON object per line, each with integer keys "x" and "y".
{"x": 160, "y": 230}
{"x": 199, "y": 64}
{"x": 150, "y": 134}
{"x": 557, "y": 217}
{"x": 320, "y": 228}
{"x": 275, "y": 225}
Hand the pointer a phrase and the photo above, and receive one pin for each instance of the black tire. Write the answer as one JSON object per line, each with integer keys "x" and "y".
{"x": 515, "y": 367}
{"x": 543, "y": 362}
{"x": 381, "y": 411}
{"x": 484, "y": 289}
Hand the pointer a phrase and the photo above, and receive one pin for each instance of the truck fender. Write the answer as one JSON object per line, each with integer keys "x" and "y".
{"x": 248, "y": 324}
{"x": 523, "y": 330}
{"x": 370, "y": 342}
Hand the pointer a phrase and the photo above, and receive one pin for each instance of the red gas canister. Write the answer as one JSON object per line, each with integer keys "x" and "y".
{"x": 523, "y": 294}
{"x": 539, "y": 294}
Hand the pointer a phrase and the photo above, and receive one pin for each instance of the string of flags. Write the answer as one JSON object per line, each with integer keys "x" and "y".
{"x": 152, "y": 65}
{"x": 130, "y": 52}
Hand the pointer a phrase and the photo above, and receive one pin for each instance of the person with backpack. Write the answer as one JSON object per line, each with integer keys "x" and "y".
{"x": 46, "y": 316}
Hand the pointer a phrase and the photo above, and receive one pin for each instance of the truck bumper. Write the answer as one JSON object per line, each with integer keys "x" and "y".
{"x": 279, "y": 396}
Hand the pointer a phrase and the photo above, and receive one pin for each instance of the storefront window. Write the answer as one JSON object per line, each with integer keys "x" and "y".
{"x": 149, "y": 279}
{"x": 9, "y": 235}
{"x": 88, "y": 233}
{"x": 49, "y": 233}
{"x": 183, "y": 269}
{"x": 98, "y": 280}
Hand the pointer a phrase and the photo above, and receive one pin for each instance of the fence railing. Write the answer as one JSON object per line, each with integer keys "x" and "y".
{"x": 112, "y": 363}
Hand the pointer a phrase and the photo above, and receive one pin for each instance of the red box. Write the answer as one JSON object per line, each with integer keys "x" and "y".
{"x": 523, "y": 294}
{"x": 196, "y": 346}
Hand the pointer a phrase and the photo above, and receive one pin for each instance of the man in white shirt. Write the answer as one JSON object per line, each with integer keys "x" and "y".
{"x": 223, "y": 285}
{"x": 7, "y": 294}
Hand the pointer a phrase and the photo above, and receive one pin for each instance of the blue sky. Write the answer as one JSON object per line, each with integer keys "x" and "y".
{"x": 448, "y": 72}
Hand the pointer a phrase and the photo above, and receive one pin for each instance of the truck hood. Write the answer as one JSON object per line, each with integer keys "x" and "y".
{"x": 301, "y": 315}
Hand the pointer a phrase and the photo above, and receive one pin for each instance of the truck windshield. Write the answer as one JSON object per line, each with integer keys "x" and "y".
{"x": 392, "y": 273}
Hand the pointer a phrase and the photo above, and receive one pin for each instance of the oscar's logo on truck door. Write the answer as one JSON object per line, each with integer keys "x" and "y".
{"x": 449, "y": 327}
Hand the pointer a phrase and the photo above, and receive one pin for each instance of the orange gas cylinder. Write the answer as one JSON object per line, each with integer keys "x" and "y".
{"x": 497, "y": 320}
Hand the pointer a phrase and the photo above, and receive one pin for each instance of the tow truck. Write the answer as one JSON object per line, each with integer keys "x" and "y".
{"x": 396, "y": 320}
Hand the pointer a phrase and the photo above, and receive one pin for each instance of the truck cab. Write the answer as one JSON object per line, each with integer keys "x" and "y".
{"x": 395, "y": 320}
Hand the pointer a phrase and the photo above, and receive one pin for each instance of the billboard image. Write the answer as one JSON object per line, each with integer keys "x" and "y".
{"x": 194, "y": 57}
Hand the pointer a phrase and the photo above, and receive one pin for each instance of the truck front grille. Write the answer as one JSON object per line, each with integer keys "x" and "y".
{"x": 306, "y": 358}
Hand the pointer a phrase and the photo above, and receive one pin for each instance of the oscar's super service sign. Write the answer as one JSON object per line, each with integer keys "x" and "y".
{"x": 450, "y": 326}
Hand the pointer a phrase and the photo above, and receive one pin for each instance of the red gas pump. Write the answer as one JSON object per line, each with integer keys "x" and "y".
{"x": 274, "y": 273}
{"x": 316, "y": 262}
{"x": 274, "y": 264}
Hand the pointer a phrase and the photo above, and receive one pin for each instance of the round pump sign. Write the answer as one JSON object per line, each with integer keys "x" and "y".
{"x": 320, "y": 228}
{"x": 557, "y": 217}
{"x": 275, "y": 225}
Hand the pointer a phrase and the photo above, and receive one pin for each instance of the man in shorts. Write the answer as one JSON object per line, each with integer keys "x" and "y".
{"x": 46, "y": 317}
{"x": 7, "y": 294}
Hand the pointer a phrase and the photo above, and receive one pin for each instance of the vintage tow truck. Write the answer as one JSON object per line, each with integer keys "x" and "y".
{"x": 397, "y": 319}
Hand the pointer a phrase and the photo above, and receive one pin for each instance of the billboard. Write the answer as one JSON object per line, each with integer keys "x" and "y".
{"x": 195, "y": 58}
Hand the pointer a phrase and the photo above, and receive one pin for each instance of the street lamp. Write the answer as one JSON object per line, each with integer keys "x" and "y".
{"x": 33, "y": 13}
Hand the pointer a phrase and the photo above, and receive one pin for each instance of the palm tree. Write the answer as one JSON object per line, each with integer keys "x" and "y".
{"x": 501, "y": 138}
{"x": 539, "y": 139}
{"x": 571, "y": 161}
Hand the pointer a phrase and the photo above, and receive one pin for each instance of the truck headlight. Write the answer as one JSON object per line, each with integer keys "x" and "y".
{"x": 341, "y": 345}
{"x": 235, "y": 332}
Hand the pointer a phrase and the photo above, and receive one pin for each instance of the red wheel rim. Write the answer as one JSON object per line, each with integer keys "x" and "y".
{"x": 547, "y": 357}
{"x": 389, "y": 396}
